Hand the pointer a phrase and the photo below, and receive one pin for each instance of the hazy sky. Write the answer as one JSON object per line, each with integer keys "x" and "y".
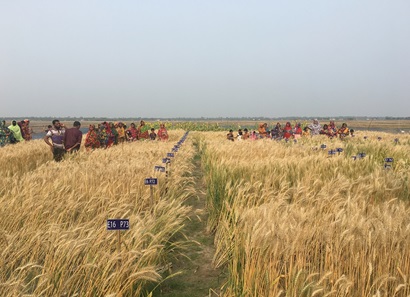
{"x": 204, "y": 58}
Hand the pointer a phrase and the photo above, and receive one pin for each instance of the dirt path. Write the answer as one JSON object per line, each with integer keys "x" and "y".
{"x": 198, "y": 276}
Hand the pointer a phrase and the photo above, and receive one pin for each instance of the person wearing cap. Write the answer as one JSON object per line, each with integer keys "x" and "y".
{"x": 73, "y": 137}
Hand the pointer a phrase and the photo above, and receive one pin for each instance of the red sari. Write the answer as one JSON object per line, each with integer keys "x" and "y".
{"x": 162, "y": 133}
{"x": 91, "y": 139}
{"x": 287, "y": 131}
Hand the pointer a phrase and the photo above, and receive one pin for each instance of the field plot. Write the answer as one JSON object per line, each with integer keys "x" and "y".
{"x": 292, "y": 220}
{"x": 53, "y": 235}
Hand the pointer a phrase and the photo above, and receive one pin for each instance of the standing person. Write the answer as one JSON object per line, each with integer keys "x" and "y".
{"x": 143, "y": 131}
{"x": 15, "y": 129}
{"x": 297, "y": 131}
{"x": 332, "y": 129}
{"x": 315, "y": 127}
{"x": 121, "y": 132}
{"x": 102, "y": 135}
{"x": 132, "y": 133}
{"x": 287, "y": 131}
{"x": 239, "y": 135}
{"x": 325, "y": 130}
{"x": 262, "y": 130}
{"x": 26, "y": 130}
{"x": 57, "y": 140}
{"x": 22, "y": 126}
{"x": 113, "y": 134}
{"x": 91, "y": 139}
{"x": 245, "y": 135}
{"x": 306, "y": 132}
{"x": 73, "y": 137}
{"x": 229, "y": 136}
{"x": 162, "y": 133}
{"x": 343, "y": 131}
{"x": 277, "y": 131}
{"x": 4, "y": 134}
{"x": 253, "y": 136}
{"x": 152, "y": 135}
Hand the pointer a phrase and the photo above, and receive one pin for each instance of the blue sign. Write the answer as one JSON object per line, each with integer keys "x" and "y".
{"x": 388, "y": 160}
{"x": 166, "y": 160}
{"x": 170, "y": 155}
{"x": 159, "y": 168}
{"x": 361, "y": 155}
{"x": 175, "y": 150}
{"x": 151, "y": 181}
{"x": 339, "y": 150}
{"x": 323, "y": 146}
{"x": 118, "y": 224}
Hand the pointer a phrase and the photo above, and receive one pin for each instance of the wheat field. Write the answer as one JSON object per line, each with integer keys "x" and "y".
{"x": 53, "y": 237}
{"x": 290, "y": 220}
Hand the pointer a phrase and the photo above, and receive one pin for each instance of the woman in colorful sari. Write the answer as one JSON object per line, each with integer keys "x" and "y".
{"x": 306, "y": 132}
{"x": 297, "y": 131}
{"x": 143, "y": 131}
{"x": 121, "y": 132}
{"x": 287, "y": 131}
{"x": 162, "y": 133}
{"x": 4, "y": 134}
{"x": 102, "y": 135}
{"x": 332, "y": 129}
{"x": 343, "y": 131}
{"x": 112, "y": 134}
{"x": 132, "y": 133}
{"x": 253, "y": 136}
{"x": 315, "y": 127}
{"x": 262, "y": 130}
{"x": 91, "y": 139}
{"x": 15, "y": 129}
{"x": 277, "y": 131}
{"x": 26, "y": 130}
{"x": 325, "y": 130}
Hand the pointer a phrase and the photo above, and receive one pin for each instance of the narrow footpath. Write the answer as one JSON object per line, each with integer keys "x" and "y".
{"x": 198, "y": 277}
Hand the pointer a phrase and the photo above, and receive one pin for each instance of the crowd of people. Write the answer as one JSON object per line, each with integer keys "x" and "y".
{"x": 288, "y": 132}
{"x": 104, "y": 135}
{"x": 107, "y": 134}
{"x": 15, "y": 132}
{"x": 62, "y": 139}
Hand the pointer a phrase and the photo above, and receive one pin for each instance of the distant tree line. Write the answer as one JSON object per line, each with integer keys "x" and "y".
{"x": 291, "y": 118}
